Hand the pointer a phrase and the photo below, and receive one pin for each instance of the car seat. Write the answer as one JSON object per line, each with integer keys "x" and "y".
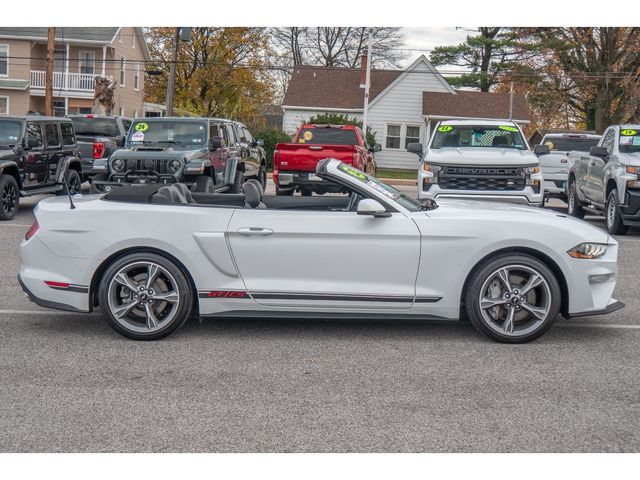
{"x": 500, "y": 141}
{"x": 252, "y": 195}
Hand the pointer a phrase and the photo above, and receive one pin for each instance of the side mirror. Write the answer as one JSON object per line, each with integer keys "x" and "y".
{"x": 369, "y": 206}
{"x": 259, "y": 142}
{"x": 31, "y": 143}
{"x": 541, "y": 150}
{"x": 376, "y": 148}
{"x": 415, "y": 148}
{"x": 215, "y": 143}
{"x": 120, "y": 140}
{"x": 601, "y": 152}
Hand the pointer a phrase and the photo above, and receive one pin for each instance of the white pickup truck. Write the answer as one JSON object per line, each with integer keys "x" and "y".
{"x": 607, "y": 179}
{"x": 553, "y": 152}
{"x": 479, "y": 159}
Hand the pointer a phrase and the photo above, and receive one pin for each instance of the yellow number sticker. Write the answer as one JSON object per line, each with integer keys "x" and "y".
{"x": 307, "y": 135}
{"x": 141, "y": 127}
{"x": 445, "y": 128}
{"x": 629, "y": 133}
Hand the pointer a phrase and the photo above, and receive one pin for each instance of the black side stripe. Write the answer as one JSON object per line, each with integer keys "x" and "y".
{"x": 340, "y": 298}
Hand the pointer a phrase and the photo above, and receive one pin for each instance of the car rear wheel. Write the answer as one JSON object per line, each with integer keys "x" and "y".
{"x": 203, "y": 184}
{"x": 145, "y": 296}
{"x": 284, "y": 193}
{"x": 613, "y": 215}
{"x": 574, "y": 205}
{"x": 262, "y": 177}
{"x": 73, "y": 181}
{"x": 238, "y": 180}
{"x": 513, "y": 298}
{"x": 9, "y": 197}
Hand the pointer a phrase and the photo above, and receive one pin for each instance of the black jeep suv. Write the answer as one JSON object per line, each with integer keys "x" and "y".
{"x": 207, "y": 154}
{"x": 37, "y": 155}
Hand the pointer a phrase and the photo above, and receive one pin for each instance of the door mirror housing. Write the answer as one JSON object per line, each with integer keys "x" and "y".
{"x": 259, "y": 142}
{"x": 541, "y": 150}
{"x": 215, "y": 143}
{"x": 369, "y": 206}
{"x": 376, "y": 148}
{"x": 415, "y": 148}
{"x": 29, "y": 143}
{"x": 120, "y": 140}
{"x": 601, "y": 152}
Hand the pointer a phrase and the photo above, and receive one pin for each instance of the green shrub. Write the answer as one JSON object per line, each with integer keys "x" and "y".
{"x": 271, "y": 137}
{"x": 342, "y": 119}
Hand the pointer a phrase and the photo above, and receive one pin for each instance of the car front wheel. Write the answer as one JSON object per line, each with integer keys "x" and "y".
{"x": 613, "y": 216}
{"x": 145, "y": 296}
{"x": 574, "y": 206}
{"x": 203, "y": 184}
{"x": 73, "y": 181}
{"x": 238, "y": 180}
{"x": 513, "y": 298}
{"x": 9, "y": 197}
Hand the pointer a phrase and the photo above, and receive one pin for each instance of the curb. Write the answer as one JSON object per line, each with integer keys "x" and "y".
{"x": 390, "y": 181}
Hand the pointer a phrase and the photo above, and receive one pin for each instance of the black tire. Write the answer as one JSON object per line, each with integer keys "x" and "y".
{"x": 101, "y": 177}
{"x": 574, "y": 205}
{"x": 613, "y": 215}
{"x": 9, "y": 197}
{"x": 203, "y": 184}
{"x": 262, "y": 177}
{"x": 73, "y": 181}
{"x": 238, "y": 180}
{"x": 306, "y": 192}
{"x": 284, "y": 193}
{"x": 529, "y": 326}
{"x": 132, "y": 325}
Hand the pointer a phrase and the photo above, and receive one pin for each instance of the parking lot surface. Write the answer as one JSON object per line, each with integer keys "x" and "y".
{"x": 69, "y": 383}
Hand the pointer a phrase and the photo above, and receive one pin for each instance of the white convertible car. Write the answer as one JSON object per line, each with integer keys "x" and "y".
{"x": 151, "y": 256}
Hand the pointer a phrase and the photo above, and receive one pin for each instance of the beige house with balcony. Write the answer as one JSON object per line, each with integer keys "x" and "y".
{"x": 81, "y": 53}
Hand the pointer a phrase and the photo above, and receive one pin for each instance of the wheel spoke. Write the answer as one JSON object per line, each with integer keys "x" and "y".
{"x": 503, "y": 274}
{"x": 152, "y": 273}
{"x": 124, "y": 280}
{"x": 539, "y": 312}
{"x": 171, "y": 297}
{"x": 533, "y": 282}
{"x": 508, "y": 323}
{"x": 124, "y": 310}
{"x": 152, "y": 321}
{"x": 487, "y": 302}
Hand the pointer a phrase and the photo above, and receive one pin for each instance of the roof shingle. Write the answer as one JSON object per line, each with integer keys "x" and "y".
{"x": 78, "y": 34}
{"x": 470, "y": 104}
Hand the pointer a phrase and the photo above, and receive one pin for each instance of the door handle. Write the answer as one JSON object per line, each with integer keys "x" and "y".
{"x": 255, "y": 231}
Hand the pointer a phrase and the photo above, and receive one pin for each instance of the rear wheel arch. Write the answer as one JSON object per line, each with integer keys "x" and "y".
{"x": 102, "y": 268}
{"x": 11, "y": 169}
{"x": 537, "y": 254}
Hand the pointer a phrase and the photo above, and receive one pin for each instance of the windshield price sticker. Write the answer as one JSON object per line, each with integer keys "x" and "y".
{"x": 629, "y": 133}
{"x": 137, "y": 137}
{"x": 508, "y": 128}
{"x": 141, "y": 127}
{"x": 445, "y": 128}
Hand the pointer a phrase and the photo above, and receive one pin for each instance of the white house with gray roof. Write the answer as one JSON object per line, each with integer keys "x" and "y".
{"x": 81, "y": 53}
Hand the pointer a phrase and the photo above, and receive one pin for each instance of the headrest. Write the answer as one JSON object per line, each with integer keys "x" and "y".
{"x": 252, "y": 195}
{"x": 257, "y": 184}
{"x": 499, "y": 141}
{"x": 182, "y": 188}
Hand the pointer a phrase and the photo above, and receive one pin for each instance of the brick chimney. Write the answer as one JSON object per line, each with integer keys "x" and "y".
{"x": 363, "y": 69}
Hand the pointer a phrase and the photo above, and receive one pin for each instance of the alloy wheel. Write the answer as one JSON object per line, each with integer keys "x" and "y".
{"x": 611, "y": 213}
{"x": 515, "y": 300}
{"x": 143, "y": 297}
{"x": 9, "y": 198}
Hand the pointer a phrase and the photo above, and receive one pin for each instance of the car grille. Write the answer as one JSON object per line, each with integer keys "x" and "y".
{"x": 481, "y": 178}
{"x": 146, "y": 165}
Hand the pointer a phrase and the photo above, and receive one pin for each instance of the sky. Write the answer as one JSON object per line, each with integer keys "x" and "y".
{"x": 420, "y": 40}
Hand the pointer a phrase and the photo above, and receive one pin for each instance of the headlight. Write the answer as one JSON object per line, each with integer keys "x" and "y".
{"x": 174, "y": 166}
{"x": 531, "y": 170}
{"x": 633, "y": 171}
{"x": 118, "y": 165}
{"x": 588, "y": 250}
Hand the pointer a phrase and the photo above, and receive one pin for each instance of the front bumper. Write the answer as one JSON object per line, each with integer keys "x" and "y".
{"x": 631, "y": 208}
{"x": 555, "y": 185}
{"x": 128, "y": 179}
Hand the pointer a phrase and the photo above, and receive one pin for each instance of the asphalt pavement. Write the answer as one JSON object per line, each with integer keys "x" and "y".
{"x": 68, "y": 383}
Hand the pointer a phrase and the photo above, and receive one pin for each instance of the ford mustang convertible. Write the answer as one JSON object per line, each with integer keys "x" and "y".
{"x": 151, "y": 256}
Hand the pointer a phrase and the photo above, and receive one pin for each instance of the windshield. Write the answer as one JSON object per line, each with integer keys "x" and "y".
{"x": 327, "y": 136}
{"x": 10, "y": 131}
{"x": 178, "y": 132}
{"x": 106, "y": 127}
{"x": 570, "y": 144}
{"x": 629, "y": 140}
{"x": 497, "y": 136}
{"x": 405, "y": 200}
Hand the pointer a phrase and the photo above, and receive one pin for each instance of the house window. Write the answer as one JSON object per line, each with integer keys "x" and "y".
{"x": 136, "y": 77}
{"x": 4, "y": 105}
{"x": 4, "y": 60}
{"x": 123, "y": 62}
{"x": 87, "y": 61}
{"x": 59, "y": 60}
{"x": 412, "y": 135}
{"x": 393, "y": 136}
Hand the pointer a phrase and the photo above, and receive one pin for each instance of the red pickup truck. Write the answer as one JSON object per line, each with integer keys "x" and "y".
{"x": 294, "y": 164}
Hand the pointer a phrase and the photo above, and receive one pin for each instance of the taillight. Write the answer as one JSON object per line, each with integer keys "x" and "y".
{"x": 354, "y": 160}
{"x": 32, "y": 231}
{"x": 98, "y": 150}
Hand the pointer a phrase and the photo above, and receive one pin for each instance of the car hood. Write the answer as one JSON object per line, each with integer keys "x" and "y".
{"x": 481, "y": 156}
{"x": 7, "y": 153}
{"x": 511, "y": 216}
{"x": 630, "y": 158}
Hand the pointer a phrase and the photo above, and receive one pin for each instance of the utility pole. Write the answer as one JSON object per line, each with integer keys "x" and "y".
{"x": 367, "y": 82}
{"x": 48, "y": 76}
{"x": 172, "y": 74}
